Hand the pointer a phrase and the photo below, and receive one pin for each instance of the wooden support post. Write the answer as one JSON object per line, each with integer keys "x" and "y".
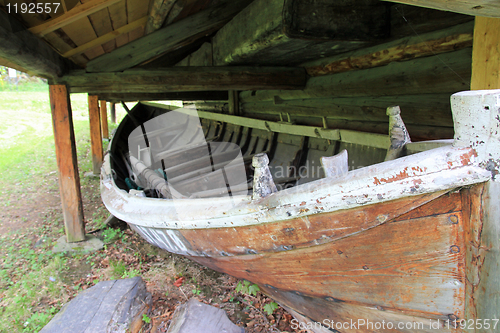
{"x": 69, "y": 179}
{"x": 95, "y": 134}
{"x": 234, "y": 103}
{"x": 113, "y": 113}
{"x": 104, "y": 120}
{"x": 486, "y": 54}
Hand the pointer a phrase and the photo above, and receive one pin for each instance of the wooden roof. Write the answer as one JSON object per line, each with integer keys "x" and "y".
{"x": 117, "y": 35}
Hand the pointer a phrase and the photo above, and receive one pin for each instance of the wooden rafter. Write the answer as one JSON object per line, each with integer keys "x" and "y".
{"x": 158, "y": 14}
{"x": 167, "y": 39}
{"x": 80, "y": 11}
{"x": 21, "y": 47}
{"x": 107, "y": 37}
{"x": 186, "y": 79}
{"x": 489, "y": 8}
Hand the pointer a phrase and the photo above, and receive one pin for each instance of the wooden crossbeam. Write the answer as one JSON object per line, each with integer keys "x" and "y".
{"x": 176, "y": 79}
{"x": 167, "y": 39}
{"x": 107, "y": 37}
{"x": 167, "y": 96}
{"x": 489, "y": 8}
{"x": 78, "y": 12}
{"x": 21, "y": 47}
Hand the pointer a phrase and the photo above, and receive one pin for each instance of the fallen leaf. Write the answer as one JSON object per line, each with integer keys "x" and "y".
{"x": 179, "y": 281}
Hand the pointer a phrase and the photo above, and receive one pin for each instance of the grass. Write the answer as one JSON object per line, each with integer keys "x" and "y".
{"x": 31, "y": 276}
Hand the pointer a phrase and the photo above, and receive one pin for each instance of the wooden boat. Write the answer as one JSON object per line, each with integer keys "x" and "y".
{"x": 362, "y": 245}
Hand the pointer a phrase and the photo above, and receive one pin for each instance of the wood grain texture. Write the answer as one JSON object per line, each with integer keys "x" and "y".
{"x": 118, "y": 16}
{"x": 486, "y": 54}
{"x": 302, "y": 232}
{"x": 169, "y": 38}
{"x": 415, "y": 265}
{"x": 176, "y": 96}
{"x": 104, "y": 119}
{"x": 101, "y": 22}
{"x": 82, "y": 32}
{"x": 95, "y": 134}
{"x": 489, "y": 8}
{"x": 27, "y": 51}
{"x": 157, "y": 14}
{"x": 135, "y": 10}
{"x": 73, "y": 15}
{"x": 67, "y": 163}
{"x": 178, "y": 79}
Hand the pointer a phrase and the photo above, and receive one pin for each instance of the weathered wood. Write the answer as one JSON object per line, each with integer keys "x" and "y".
{"x": 486, "y": 54}
{"x": 22, "y": 48}
{"x": 384, "y": 266}
{"x": 197, "y": 317}
{"x": 257, "y": 35}
{"x": 309, "y": 231}
{"x": 234, "y": 103}
{"x": 118, "y": 16}
{"x": 180, "y": 96}
{"x": 81, "y": 32}
{"x": 67, "y": 163}
{"x": 101, "y": 22}
{"x": 71, "y": 16}
{"x": 104, "y": 120}
{"x": 157, "y": 14}
{"x": 489, "y": 8}
{"x": 445, "y": 73}
{"x": 403, "y": 49}
{"x": 113, "y": 112}
{"x": 201, "y": 57}
{"x": 109, "y": 306}
{"x": 95, "y": 134}
{"x": 168, "y": 38}
{"x": 186, "y": 79}
{"x": 135, "y": 10}
{"x": 106, "y": 38}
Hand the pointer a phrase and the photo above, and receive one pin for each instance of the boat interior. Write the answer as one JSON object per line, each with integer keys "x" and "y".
{"x": 211, "y": 156}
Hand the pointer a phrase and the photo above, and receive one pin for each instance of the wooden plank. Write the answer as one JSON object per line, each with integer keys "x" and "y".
{"x": 234, "y": 103}
{"x": 186, "y": 79}
{"x": 101, "y": 23}
{"x": 67, "y": 163}
{"x": 303, "y": 232}
{"x": 95, "y": 134}
{"x": 489, "y": 8}
{"x": 71, "y": 16}
{"x": 201, "y": 57}
{"x": 118, "y": 16}
{"x": 104, "y": 120}
{"x": 176, "y": 96}
{"x": 135, "y": 10}
{"x": 400, "y": 266}
{"x": 82, "y": 32}
{"x": 22, "y": 48}
{"x": 403, "y": 49}
{"x": 260, "y": 34}
{"x": 169, "y": 38}
{"x": 444, "y": 73}
{"x": 106, "y": 38}
{"x": 485, "y": 54}
{"x": 157, "y": 14}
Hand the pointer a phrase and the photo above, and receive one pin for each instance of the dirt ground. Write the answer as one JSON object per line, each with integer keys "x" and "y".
{"x": 171, "y": 279}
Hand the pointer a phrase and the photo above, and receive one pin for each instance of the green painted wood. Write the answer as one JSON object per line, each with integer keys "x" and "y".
{"x": 167, "y": 39}
{"x": 177, "y": 79}
{"x": 29, "y": 52}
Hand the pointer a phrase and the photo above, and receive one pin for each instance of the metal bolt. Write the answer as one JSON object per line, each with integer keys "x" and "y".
{"x": 453, "y": 219}
{"x": 454, "y": 249}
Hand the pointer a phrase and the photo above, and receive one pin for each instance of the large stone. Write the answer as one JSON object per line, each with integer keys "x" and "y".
{"x": 90, "y": 244}
{"x": 197, "y": 317}
{"x": 110, "y": 306}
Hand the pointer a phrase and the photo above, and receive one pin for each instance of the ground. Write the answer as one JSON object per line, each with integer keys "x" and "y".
{"x": 35, "y": 283}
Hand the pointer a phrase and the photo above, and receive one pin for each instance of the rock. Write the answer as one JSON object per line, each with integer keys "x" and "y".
{"x": 197, "y": 317}
{"x": 113, "y": 306}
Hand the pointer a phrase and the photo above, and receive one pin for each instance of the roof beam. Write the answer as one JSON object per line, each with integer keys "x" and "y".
{"x": 177, "y": 79}
{"x": 157, "y": 14}
{"x": 167, "y": 39}
{"x": 78, "y": 12}
{"x": 489, "y": 8}
{"x": 107, "y": 37}
{"x": 168, "y": 96}
{"x": 21, "y": 47}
